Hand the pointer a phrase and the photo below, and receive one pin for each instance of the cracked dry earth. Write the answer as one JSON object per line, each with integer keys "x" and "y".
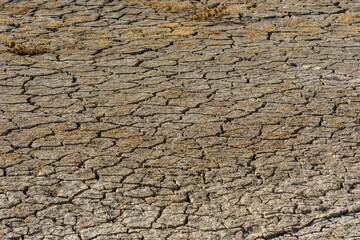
{"x": 138, "y": 123}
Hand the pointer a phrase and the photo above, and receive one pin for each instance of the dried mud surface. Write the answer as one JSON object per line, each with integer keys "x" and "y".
{"x": 127, "y": 120}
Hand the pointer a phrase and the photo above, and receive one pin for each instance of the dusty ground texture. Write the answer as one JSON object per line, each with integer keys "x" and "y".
{"x": 127, "y": 120}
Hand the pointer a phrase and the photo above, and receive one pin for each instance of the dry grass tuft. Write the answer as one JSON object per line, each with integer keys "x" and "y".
{"x": 16, "y": 8}
{"x": 197, "y": 11}
{"x": 298, "y": 21}
{"x": 203, "y": 10}
{"x": 21, "y": 50}
{"x": 171, "y": 6}
{"x": 347, "y": 17}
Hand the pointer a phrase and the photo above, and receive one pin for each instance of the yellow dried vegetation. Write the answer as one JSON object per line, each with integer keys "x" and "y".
{"x": 347, "y": 17}
{"x": 21, "y": 50}
{"x": 16, "y": 8}
{"x": 172, "y": 6}
{"x": 203, "y": 10}
{"x": 195, "y": 11}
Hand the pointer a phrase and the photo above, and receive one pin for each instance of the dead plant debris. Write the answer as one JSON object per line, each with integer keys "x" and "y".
{"x": 21, "y": 50}
{"x": 347, "y": 17}
{"x": 204, "y": 11}
{"x": 197, "y": 11}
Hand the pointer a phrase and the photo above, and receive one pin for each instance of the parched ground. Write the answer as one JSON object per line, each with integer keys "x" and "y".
{"x": 141, "y": 120}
